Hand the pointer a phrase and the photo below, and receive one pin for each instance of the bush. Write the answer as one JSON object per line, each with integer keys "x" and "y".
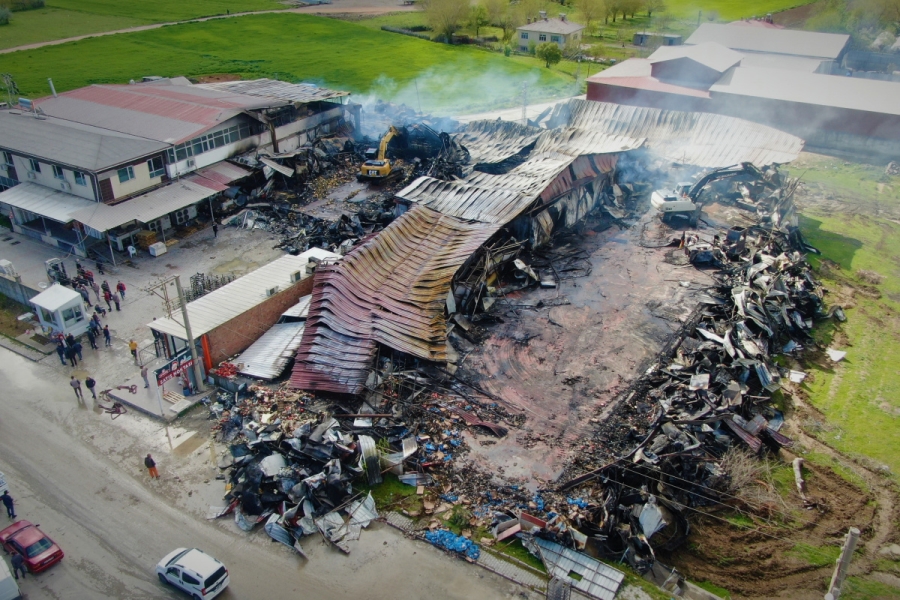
{"x": 532, "y": 47}
{"x": 507, "y": 50}
{"x": 5, "y": 15}
{"x": 20, "y": 5}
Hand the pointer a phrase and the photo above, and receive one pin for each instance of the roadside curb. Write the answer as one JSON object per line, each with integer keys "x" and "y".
{"x": 21, "y": 349}
{"x": 504, "y": 569}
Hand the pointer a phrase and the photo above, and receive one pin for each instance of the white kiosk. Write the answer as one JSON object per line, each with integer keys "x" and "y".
{"x": 61, "y": 309}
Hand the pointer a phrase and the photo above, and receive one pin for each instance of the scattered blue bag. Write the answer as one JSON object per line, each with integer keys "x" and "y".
{"x": 450, "y": 541}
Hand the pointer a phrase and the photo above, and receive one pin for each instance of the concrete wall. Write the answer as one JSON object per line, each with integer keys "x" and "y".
{"x": 236, "y": 335}
{"x": 46, "y": 177}
{"x": 17, "y": 291}
{"x": 141, "y": 181}
{"x": 603, "y": 92}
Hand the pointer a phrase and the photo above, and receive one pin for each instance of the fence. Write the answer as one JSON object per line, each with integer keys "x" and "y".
{"x": 16, "y": 290}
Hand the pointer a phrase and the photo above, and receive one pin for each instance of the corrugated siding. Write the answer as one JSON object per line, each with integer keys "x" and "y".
{"x": 267, "y": 357}
{"x": 271, "y": 88}
{"x": 390, "y": 290}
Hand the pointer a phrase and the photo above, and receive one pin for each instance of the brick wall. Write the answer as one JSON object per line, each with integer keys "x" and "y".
{"x": 236, "y": 335}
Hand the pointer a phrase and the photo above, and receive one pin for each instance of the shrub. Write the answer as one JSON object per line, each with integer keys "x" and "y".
{"x": 5, "y": 15}
{"x": 20, "y": 5}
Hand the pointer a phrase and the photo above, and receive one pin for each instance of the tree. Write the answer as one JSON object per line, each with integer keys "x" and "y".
{"x": 549, "y": 52}
{"x": 478, "y": 17}
{"x": 653, "y": 6}
{"x": 591, "y": 10}
{"x": 504, "y": 16}
{"x": 446, "y": 16}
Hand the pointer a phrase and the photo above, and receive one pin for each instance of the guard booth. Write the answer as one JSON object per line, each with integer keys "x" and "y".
{"x": 61, "y": 309}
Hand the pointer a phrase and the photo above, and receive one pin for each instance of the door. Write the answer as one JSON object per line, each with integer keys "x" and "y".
{"x": 190, "y": 583}
{"x": 173, "y": 574}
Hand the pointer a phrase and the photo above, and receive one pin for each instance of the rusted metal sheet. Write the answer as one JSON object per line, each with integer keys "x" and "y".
{"x": 390, "y": 290}
{"x": 700, "y": 139}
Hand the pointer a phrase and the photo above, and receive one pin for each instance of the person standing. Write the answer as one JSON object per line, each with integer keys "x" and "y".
{"x": 61, "y": 350}
{"x": 84, "y": 294}
{"x": 132, "y": 345}
{"x": 18, "y": 564}
{"x": 70, "y": 340}
{"x": 107, "y": 297}
{"x": 91, "y": 384}
{"x": 96, "y": 289}
{"x": 151, "y": 467}
{"x": 70, "y": 354}
{"x": 76, "y": 385}
{"x": 107, "y": 336}
{"x": 144, "y": 371}
{"x": 9, "y": 503}
{"x": 215, "y": 229}
{"x": 120, "y": 287}
{"x": 78, "y": 348}
{"x": 115, "y": 300}
{"x": 92, "y": 336}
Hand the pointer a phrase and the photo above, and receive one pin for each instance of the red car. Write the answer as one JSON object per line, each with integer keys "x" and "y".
{"x": 39, "y": 551}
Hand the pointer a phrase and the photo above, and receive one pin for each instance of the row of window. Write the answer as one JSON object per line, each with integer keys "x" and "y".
{"x": 543, "y": 37}
{"x": 208, "y": 142}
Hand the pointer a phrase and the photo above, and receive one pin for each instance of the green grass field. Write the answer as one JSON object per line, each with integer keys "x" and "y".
{"x": 296, "y": 48}
{"x": 70, "y": 18}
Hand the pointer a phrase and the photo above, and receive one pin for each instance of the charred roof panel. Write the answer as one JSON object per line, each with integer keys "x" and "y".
{"x": 390, "y": 290}
{"x": 699, "y": 139}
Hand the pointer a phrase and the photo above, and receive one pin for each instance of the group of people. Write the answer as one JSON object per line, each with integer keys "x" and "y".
{"x": 104, "y": 293}
{"x": 89, "y": 382}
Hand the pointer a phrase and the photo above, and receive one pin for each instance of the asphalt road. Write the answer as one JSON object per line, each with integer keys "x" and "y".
{"x": 78, "y": 474}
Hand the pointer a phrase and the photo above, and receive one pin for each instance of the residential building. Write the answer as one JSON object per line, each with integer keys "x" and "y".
{"x": 102, "y": 163}
{"x": 559, "y": 31}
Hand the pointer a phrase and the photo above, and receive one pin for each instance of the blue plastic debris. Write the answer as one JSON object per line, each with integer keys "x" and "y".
{"x": 538, "y": 501}
{"x": 457, "y": 543}
{"x": 430, "y": 448}
{"x": 455, "y": 443}
{"x": 577, "y": 502}
{"x": 449, "y": 497}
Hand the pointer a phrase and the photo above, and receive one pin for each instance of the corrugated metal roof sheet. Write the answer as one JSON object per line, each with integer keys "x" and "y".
{"x": 150, "y": 206}
{"x": 271, "y": 88}
{"x": 852, "y": 93}
{"x": 299, "y": 310}
{"x": 494, "y": 142}
{"x": 710, "y": 54}
{"x": 223, "y": 172}
{"x": 234, "y": 299}
{"x": 391, "y": 290}
{"x": 166, "y": 111}
{"x": 782, "y": 61}
{"x": 267, "y": 357}
{"x": 45, "y": 201}
{"x": 700, "y": 139}
{"x": 775, "y": 41}
{"x": 82, "y": 147}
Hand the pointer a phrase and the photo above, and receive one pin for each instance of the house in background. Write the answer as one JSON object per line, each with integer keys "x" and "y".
{"x": 559, "y": 31}
{"x": 105, "y": 162}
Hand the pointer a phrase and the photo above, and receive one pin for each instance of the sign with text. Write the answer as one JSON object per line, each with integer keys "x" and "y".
{"x": 175, "y": 367}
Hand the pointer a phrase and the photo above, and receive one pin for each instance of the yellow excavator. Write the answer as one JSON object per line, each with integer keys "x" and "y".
{"x": 379, "y": 168}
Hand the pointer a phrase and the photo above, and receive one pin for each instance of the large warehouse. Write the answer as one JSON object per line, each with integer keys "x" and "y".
{"x": 792, "y": 92}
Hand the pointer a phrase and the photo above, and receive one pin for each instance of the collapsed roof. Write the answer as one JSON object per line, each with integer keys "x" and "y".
{"x": 393, "y": 288}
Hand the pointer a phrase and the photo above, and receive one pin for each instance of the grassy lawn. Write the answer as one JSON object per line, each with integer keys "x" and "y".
{"x": 296, "y": 48}
{"x": 860, "y": 396}
{"x": 70, "y": 18}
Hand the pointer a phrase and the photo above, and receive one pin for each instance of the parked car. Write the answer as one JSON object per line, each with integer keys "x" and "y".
{"x": 26, "y": 538}
{"x": 193, "y": 571}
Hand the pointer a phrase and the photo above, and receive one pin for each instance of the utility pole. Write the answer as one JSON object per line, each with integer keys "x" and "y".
{"x": 524, "y": 104}
{"x": 198, "y": 372}
{"x": 843, "y": 565}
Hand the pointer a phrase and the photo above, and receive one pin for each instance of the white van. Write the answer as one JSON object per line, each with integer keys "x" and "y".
{"x": 194, "y": 571}
{"x": 9, "y": 589}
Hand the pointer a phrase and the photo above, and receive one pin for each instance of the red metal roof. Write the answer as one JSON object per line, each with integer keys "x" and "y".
{"x": 391, "y": 290}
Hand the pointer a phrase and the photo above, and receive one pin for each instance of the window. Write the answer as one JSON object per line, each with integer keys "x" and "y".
{"x": 80, "y": 179}
{"x": 543, "y": 37}
{"x": 208, "y": 142}
{"x": 126, "y": 174}
{"x": 157, "y": 169}
{"x": 524, "y": 35}
{"x": 188, "y": 579}
{"x": 39, "y": 547}
{"x": 35, "y": 165}
{"x": 59, "y": 173}
{"x": 7, "y": 159}
{"x": 73, "y": 314}
{"x": 554, "y": 38}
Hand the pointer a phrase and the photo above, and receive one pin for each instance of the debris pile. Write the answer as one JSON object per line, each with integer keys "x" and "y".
{"x": 710, "y": 390}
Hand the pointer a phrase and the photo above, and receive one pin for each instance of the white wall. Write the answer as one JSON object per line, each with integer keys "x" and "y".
{"x": 141, "y": 181}
{"x": 46, "y": 178}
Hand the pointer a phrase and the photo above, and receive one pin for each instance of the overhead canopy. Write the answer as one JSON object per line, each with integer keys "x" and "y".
{"x": 150, "y": 206}
{"x": 55, "y": 297}
{"x": 44, "y": 201}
